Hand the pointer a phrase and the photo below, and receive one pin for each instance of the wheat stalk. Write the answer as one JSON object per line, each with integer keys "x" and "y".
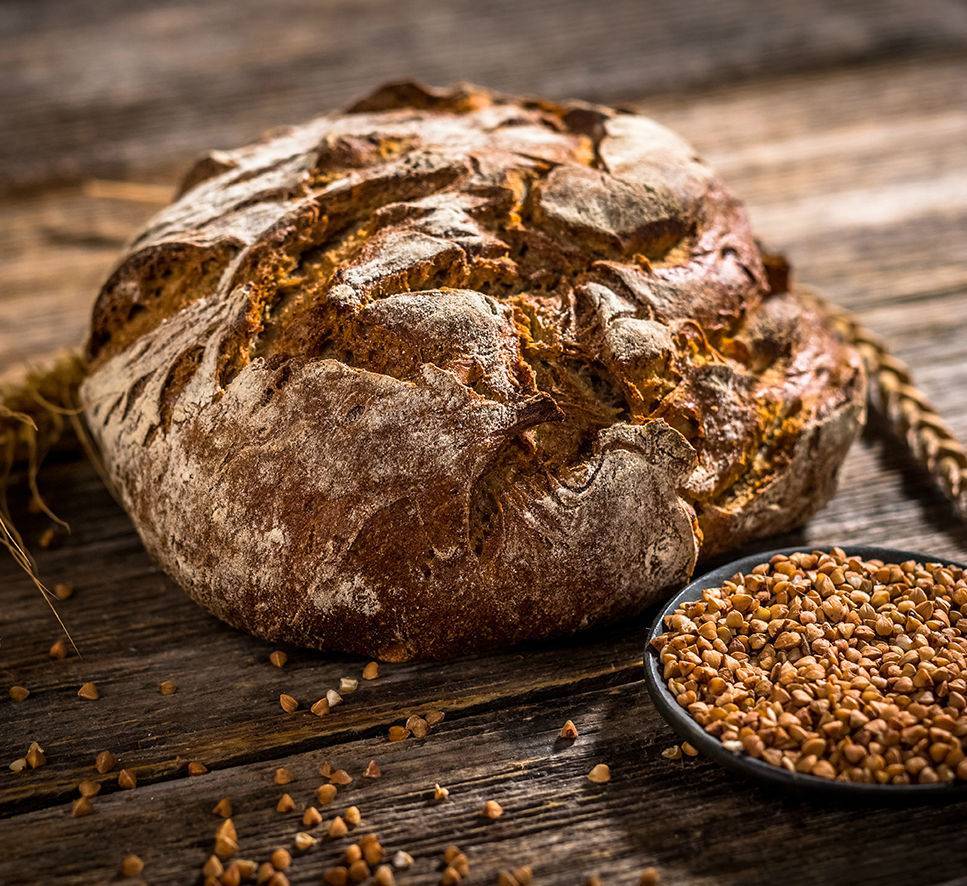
{"x": 36, "y": 414}
{"x": 906, "y": 409}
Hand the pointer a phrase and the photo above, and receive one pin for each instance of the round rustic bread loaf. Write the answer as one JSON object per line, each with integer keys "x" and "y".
{"x": 455, "y": 369}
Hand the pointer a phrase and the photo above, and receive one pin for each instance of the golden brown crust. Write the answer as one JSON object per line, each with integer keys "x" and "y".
{"x": 455, "y": 369}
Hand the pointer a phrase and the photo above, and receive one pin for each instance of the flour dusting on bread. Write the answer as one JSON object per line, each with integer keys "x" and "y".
{"x": 455, "y": 369}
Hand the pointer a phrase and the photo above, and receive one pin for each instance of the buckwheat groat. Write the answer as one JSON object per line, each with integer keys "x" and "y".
{"x": 829, "y": 665}
{"x": 455, "y": 369}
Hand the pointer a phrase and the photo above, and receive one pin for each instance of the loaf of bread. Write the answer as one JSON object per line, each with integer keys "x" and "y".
{"x": 455, "y": 369}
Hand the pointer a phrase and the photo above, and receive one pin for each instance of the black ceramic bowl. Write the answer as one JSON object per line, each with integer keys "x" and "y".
{"x": 680, "y": 720}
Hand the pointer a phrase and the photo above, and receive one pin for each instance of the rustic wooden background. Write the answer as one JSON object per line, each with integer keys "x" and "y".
{"x": 844, "y": 125}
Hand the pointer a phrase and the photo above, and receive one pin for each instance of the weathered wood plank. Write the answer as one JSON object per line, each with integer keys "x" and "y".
{"x": 860, "y": 175}
{"x": 58, "y": 247}
{"x": 86, "y": 91}
{"x": 695, "y": 822}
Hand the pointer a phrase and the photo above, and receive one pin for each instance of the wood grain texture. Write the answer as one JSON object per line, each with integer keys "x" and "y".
{"x": 108, "y": 88}
{"x": 844, "y": 130}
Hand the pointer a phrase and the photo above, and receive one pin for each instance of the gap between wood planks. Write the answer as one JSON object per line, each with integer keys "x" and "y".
{"x": 26, "y": 794}
{"x": 653, "y": 809}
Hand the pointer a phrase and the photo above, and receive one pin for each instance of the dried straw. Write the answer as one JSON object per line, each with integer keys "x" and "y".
{"x": 36, "y": 414}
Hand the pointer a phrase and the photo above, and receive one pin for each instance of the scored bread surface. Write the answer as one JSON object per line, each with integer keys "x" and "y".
{"x": 454, "y": 369}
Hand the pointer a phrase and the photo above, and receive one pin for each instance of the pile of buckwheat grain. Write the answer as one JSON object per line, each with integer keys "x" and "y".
{"x": 830, "y": 665}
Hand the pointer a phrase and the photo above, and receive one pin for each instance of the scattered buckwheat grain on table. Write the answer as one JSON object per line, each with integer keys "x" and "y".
{"x": 830, "y": 665}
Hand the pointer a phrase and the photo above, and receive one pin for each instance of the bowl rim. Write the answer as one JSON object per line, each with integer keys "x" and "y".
{"x": 689, "y": 729}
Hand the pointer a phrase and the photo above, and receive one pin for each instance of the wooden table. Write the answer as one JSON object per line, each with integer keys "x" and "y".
{"x": 844, "y": 125}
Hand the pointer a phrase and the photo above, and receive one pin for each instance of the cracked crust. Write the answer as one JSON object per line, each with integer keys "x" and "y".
{"x": 455, "y": 369}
